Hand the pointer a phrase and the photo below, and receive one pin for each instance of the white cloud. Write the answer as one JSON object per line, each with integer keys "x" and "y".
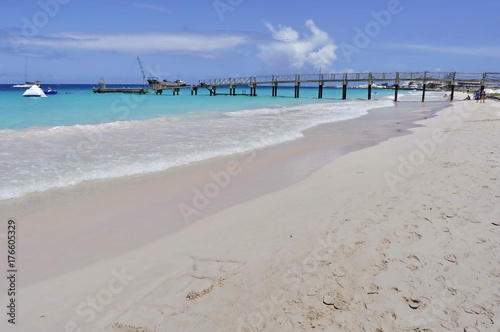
{"x": 284, "y": 34}
{"x": 315, "y": 50}
{"x": 140, "y": 5}
{"x": 456, "y": 50}
{"x": 141, "y": 43}
{"x": 148, "y": 6}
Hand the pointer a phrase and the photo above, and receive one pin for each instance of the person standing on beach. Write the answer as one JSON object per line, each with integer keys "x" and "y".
{"x": 477, "y": 96}
{"x": 483, "y": 97}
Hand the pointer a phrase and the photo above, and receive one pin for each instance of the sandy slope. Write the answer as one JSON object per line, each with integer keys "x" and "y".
{"x": 402, "y": 236}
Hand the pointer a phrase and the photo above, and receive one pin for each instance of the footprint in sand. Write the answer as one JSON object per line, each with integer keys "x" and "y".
{"x": 413, "y": 263}
{"x": 477, "y": 309}
{"x": 447, "y": 215}
{"x": 339, "y": 299}
{"x": 371, "y": 289}
{"x": 450, "y": 325}
{"x": 388, "y": 318}
{"x": 213, "y": 269}
{"x": 208, "y": 274}
{"x": 383, "y": 245}
{"x": 413, "y": 236}
{"x": 451, "y": 258}
{"x": 380, "y": 266}
{"x": 193, "y": 295}
{"x": 413, "y": 303}
{"x": 388, "y": 314}
{"x": 472, "y": 220}
{"x": 130, "y": 328}
{"x": 481, "y": 240}
{"x": 339, "y": 271}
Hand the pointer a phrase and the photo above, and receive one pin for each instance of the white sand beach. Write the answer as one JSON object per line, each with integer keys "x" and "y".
{"x": 400, "y": 236}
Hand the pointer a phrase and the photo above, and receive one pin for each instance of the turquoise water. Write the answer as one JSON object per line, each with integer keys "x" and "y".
{"x": 76, "y": 135}
{"x": 77, "y": 104}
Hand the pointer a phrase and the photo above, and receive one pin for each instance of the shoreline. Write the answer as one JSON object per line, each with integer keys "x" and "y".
{"x": 197, "y": 163}
{"x": 263, "y": 235}
{"x": 81, "y": 152}
{"x": 168, "y": 201}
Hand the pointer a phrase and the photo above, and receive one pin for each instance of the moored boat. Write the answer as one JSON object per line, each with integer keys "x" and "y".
{"x": 34, "y": 91}
{"x": 155, "y": 82}
{"x": 49, "y": 91}
{"x": 26, "y": 84}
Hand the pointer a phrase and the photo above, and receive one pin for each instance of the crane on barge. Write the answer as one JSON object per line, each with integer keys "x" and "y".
{"x": 142, "y": 71}
{"x": 154, "y": 82}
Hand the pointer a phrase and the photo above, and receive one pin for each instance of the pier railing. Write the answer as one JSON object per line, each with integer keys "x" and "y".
{"x": 401, "y": 80}
{"x": 396, "y": 77}
{"x": 424, "y": 78}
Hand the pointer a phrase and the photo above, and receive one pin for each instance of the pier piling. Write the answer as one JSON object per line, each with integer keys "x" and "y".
{"x": 396, "y": 87}
{"x": 370, "y": 82}
{"x": 424, "y": 86}
{"x": 320, "y": 90}
{"x": 344, "y": 87}
{"x": 297, "y": 90}
{"x": 297, "y": 86}
{"x": 253, "y": 90}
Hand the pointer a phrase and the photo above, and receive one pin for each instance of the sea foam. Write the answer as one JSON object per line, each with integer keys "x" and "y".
{"x": 38, "y": 159}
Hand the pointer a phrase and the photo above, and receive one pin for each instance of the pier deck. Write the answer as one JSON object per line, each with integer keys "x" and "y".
{"x": 145, "y": 90}
{"x": 124, "y": 90}
{"x": 452, "y": 79}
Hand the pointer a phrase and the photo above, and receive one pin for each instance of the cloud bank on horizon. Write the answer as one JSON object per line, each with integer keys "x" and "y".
{"x": 184, "y": 43}
{"x": 315, "y": 50}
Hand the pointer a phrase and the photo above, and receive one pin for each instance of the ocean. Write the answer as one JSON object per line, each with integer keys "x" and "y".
{"x": 77, "y": 136}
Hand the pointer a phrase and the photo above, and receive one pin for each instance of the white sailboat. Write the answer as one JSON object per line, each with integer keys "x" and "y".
{"x": 26, "y": 83}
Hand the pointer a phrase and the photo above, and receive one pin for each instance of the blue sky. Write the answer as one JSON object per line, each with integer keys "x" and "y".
{"x": 73, "y": 41}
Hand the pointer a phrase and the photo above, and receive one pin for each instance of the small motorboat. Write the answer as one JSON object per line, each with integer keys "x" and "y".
{"x": 34, "y": 91}
{"x": 49, "y": 91}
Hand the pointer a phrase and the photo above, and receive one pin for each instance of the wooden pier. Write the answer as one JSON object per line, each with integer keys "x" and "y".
{"x": 426, "y": 79}
{"x": 175, "y": 89}
{"x": 124, "y": 90}
{"x": 148, "y": 89}
{"x": 145, "y": 89}
{"x": 451, "y": 79}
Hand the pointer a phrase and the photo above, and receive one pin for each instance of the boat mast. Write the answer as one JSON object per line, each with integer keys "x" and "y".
{"x": 26, "y": 69}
